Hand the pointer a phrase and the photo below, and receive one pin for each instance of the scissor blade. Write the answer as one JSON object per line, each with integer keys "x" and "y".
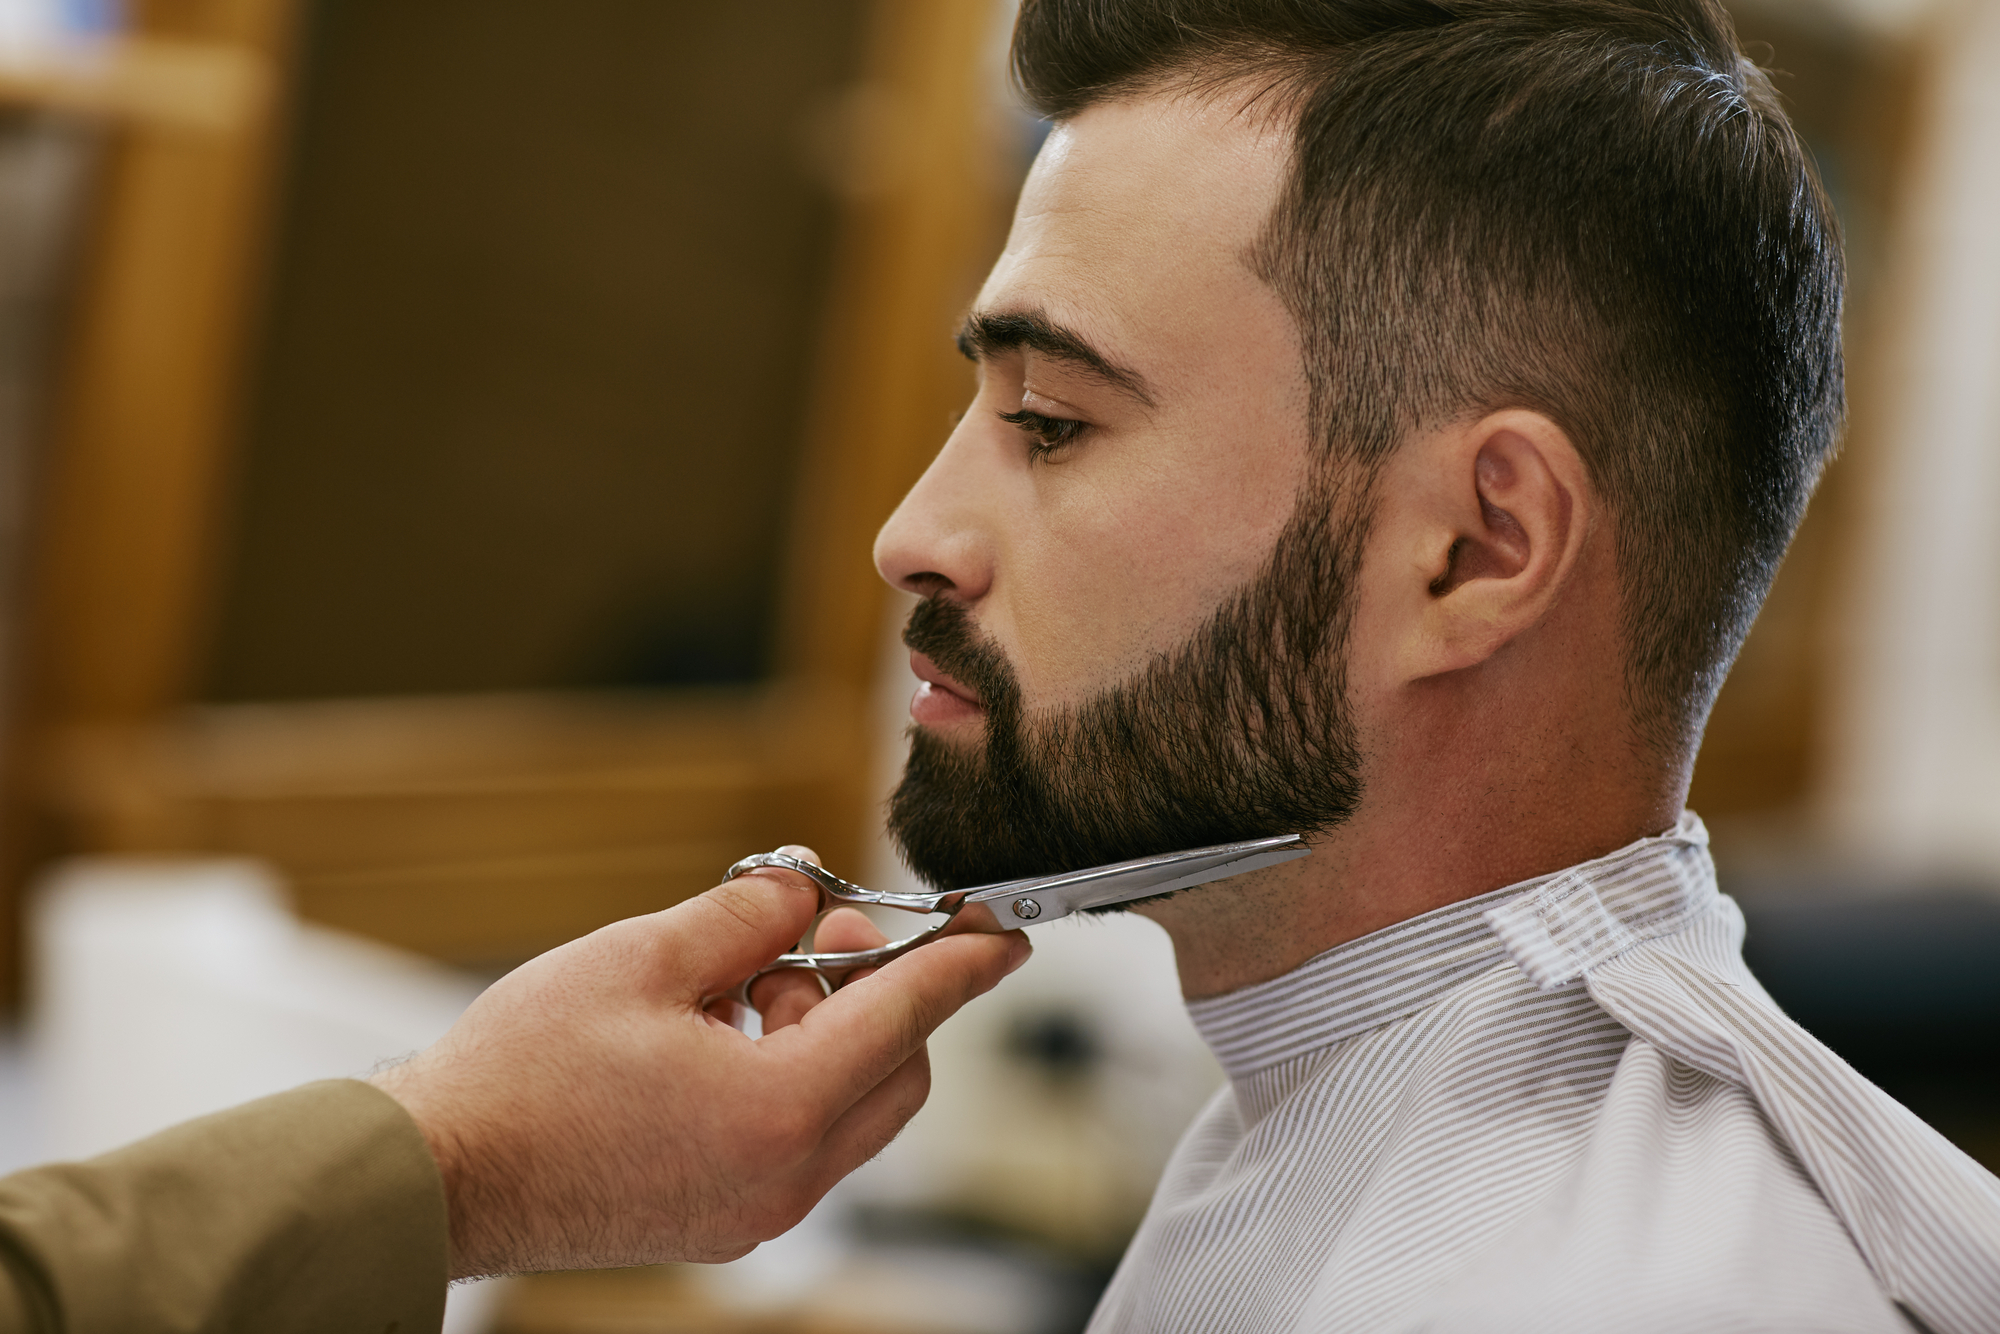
{"x": 1045, "y": 898}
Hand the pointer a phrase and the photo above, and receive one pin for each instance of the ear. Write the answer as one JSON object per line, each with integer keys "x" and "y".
{"x": 1490, "y": 517}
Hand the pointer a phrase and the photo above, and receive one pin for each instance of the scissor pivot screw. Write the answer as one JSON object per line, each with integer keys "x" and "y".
{"x": 1027, "y": 909}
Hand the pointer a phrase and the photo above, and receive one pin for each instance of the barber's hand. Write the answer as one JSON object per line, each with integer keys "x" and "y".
{"x": 782, "y": 997}
{"x": 587, "y": 1112}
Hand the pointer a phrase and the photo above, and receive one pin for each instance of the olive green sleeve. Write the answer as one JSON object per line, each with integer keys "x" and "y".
{"x": 318, "y": 1209}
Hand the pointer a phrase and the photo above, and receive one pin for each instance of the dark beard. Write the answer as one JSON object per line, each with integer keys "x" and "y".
{"x": 1241, "y": 732}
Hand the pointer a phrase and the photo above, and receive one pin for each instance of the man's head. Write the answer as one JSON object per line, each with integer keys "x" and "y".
{"x": 1348, "y": 361}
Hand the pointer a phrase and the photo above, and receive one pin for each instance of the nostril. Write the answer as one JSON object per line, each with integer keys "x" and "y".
{"x": 927, "y": 583}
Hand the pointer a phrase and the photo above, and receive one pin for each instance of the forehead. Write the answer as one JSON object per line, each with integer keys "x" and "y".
{"x": 1140, "y": 213}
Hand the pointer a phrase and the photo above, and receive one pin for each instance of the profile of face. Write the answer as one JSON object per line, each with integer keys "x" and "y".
{"x": 1136, "y": 568}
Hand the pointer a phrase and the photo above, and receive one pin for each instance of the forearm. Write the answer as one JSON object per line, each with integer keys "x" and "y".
{"x": 318, "y": 1209}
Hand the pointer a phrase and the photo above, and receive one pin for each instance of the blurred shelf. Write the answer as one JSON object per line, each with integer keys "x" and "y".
{"x": 150, "y": 82}
{"x": 479, "y": 830}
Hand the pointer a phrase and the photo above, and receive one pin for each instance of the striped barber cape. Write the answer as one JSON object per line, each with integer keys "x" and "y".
{"x": 1562, "y": 1106}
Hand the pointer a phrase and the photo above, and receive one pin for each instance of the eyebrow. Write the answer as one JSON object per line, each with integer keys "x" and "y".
{"x": 984, "y": 335}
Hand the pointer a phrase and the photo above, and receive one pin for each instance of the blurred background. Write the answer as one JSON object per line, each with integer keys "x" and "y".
{"x": 439, "y": 450}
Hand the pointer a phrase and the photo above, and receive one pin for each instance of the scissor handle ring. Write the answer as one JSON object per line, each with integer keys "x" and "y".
{"x": 740, "y": 993}
{"x": 832, "y": 969}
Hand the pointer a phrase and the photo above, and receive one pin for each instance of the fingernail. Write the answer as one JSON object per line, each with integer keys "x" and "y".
{"x": 1018, "y": 951}
{"x": 783, "y": 876}
{"x": 801, "y": 851}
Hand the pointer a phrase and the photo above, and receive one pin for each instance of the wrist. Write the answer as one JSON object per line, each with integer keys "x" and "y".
{"x": 406, "y": 1083}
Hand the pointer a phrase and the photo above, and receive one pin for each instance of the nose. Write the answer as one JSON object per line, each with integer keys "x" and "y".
{"x": 939, "y": 539}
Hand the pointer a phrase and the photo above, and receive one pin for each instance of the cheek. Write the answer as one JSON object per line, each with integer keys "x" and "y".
{"x": 1128, "y": 562}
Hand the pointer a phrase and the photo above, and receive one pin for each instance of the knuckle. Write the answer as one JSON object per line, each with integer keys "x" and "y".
{"x": 737, "y": 898}
{"x": 916, "y": 1026}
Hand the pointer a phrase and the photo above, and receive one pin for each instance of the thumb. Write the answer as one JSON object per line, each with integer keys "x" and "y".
{"x": 719, "y": 938}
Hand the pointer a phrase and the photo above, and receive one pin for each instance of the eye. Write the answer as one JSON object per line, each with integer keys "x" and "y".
{"x": 1046, "y": 435}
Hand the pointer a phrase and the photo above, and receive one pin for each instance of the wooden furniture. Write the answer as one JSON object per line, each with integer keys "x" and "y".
{"x": 130, "y": 470}
{"x": 478, "y": 828}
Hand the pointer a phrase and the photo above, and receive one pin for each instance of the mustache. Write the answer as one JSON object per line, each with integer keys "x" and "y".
{"x": 944, "y": 631}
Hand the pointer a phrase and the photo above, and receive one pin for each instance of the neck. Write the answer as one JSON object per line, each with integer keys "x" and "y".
{"x": 1406, "y": 852}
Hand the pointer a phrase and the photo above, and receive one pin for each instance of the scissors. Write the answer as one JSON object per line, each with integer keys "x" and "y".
{"x": 1036, "y": 899}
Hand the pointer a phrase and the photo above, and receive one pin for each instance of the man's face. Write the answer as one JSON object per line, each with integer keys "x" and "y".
{"x": 1135, "y": 587}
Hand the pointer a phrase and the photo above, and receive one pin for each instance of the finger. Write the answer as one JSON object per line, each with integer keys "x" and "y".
{"x": 857, "y": 933}
{"x": 715, "y": 940}
{"x": 866, "y": 1128}
{"x": 849, "y": 1042}
{"x": 847, "y": 929}
{"x": 784, "y": 996}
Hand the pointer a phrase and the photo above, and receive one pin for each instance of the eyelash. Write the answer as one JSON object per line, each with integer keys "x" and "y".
{"x": 1046, "y": 435}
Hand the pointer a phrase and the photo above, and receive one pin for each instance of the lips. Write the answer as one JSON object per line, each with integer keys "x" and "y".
{"x": 930, "y": 673}
{"x": 940, "y": 700}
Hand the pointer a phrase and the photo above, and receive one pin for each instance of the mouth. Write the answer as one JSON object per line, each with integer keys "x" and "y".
{"x": 941, "y": 701}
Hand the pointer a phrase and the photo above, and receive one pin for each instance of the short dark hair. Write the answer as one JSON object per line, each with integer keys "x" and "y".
{"x": 1592, "y": 208}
